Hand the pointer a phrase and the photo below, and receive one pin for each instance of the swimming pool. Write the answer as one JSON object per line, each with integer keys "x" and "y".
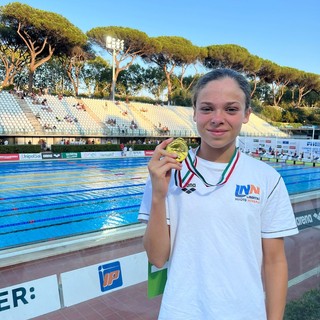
{"x": 46, "y": 200}
{"x": 299, "y": 178}
{"x": 53, "y": 199}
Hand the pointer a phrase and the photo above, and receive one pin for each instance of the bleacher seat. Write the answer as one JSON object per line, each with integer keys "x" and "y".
{"x": 105, "y": 117}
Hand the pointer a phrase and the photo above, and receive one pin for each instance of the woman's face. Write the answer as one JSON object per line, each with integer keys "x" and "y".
{"x": 219, "y": 114}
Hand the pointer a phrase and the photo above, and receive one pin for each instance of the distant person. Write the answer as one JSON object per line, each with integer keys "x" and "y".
{"x": 219, "y": 217}
{"x": 124, "y": 151}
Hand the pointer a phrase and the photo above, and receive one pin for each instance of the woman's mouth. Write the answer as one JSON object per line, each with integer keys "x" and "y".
{"x": 217, "y": 132}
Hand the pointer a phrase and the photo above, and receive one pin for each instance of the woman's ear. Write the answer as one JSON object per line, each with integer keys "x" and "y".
{"x": 247, "y": 115}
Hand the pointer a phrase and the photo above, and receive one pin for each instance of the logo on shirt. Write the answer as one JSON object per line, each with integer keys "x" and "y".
{"x": 190, "y": 188}
{"x": 247, "y": 193}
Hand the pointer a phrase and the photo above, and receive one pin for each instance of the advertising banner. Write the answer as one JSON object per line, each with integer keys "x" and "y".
{"x": 111, "y": 154}
{"x": 100, "y": 154}
{"x": 93, "y": 281}
{"x": 30, "y": 299}
{"x": 51, "y": 156}
{"x": 148, "y": 153}
{"x": 9, "y": 157}
{"x": 71, "y": 155}
{"x": 136, "y": 153}
{"x": 30, "y": 156}
{"x": 308, "y": 219}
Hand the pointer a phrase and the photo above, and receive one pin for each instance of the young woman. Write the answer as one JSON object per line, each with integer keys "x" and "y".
{"x": 219, "y": 217}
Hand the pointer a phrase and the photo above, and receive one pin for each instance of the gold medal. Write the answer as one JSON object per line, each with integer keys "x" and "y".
{"x": 180, "y": 147}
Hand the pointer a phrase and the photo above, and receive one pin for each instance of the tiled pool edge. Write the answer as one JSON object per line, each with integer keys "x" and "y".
{"x": 32, "y": 252}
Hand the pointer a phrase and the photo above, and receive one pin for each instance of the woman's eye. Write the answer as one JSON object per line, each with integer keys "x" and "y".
{"x": 205, "y": 109}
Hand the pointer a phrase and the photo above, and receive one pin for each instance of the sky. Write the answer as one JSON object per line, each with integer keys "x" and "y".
{"x": 286, "y": 32}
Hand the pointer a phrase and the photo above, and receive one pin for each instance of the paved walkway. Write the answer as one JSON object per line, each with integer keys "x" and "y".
{"x": 130, "y": 303}
{"x": 127, "y": 304}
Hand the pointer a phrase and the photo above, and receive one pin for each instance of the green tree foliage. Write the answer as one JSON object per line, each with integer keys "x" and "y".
{"x": 74, "y": 63}
{"x": 305, "y": 83}
{"x": 171, "y": 52}
{"x": 194, "y": 57}
{"x": 253, "y": 65}
{"x": 227, "y": 56}
{"x": 43, "y": 33}
{"x": 155, "y": 81}
{"x": 272, "y": 113}
{"x": 51, "y": 77}
{"x": 132, "y": 80}
{"x": 267, "y": 73}
{"x": 96, "y": 75}
{"x": 282, "y": 78}
{"x": 136, "y": 43}
{"x": 181, "y": 95}
{"x": 312, "y": 99}
{"x": 263, "y": 93}
{"x": 31, "y": 38}
{"x": 14, "y": 56}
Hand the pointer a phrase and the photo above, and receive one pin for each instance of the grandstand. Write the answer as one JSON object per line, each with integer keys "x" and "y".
{"x": 13, "y": 119}
{"x": 57, "y": 116}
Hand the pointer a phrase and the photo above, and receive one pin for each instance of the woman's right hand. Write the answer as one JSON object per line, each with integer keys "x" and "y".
{"x": 160, "y": 166}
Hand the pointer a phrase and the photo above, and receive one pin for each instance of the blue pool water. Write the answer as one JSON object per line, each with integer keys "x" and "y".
{"x": 46, "y": 200}
{"x": 54, "y": 199}
{"x": 299, "y": 178}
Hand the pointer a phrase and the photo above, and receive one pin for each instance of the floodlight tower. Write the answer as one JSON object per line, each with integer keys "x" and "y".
{"x": 115, "y": 45}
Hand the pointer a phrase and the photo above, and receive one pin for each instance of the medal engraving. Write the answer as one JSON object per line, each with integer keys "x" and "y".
{"x": 180, "y": 147}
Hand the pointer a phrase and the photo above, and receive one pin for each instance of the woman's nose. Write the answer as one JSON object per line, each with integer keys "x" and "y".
{"x": 217, "y": 117}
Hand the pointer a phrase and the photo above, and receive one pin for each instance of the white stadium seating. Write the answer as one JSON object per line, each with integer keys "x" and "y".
{"x": 63, "y": 116}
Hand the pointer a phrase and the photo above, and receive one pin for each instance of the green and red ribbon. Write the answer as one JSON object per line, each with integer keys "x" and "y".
{"x": 193, "y": 171}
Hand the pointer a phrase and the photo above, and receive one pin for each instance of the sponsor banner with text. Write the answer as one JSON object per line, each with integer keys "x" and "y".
{"x": 136, "y": 153}
{"x": 30, "y": 156}
{"x": 51, "y": 156}
{"x": 148, "y": 153}
{"x": 308, "y": 219}
{"x": 9, "y": 157}
{"x": 111, "y": 154}
{"x": 71, "y": 155}
{"x": 101, "y": 154}
{"x": 29, "y": 299}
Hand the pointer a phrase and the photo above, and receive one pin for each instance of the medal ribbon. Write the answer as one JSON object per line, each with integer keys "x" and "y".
{"x": 192, "y": 171}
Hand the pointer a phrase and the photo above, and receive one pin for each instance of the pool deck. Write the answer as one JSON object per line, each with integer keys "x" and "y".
{"x": 35, "y": 262}
{"x": 132, "y": 302}
{"x": 59, "y": 256}
{"x": 126, "y": 304}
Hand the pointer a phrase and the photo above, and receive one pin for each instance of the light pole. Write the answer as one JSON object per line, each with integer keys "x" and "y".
{"x": 115, "y": 45}
{"x": 312, "y": 142}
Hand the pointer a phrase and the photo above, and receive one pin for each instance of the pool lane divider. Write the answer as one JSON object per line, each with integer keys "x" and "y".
{"x": 305, "y": 181}
{"x": 107, "y": 179}
{"x": 71, "y": 192}
{"x": 74, "y": 201}
{"x": 49, "y": 176}
{"x": 301, "y": 174}
{"x": 295, "y": 169}
{"x": 64, "y": 222}
{"x": 67, "y": 170}
{"x": 65, "y": 217}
